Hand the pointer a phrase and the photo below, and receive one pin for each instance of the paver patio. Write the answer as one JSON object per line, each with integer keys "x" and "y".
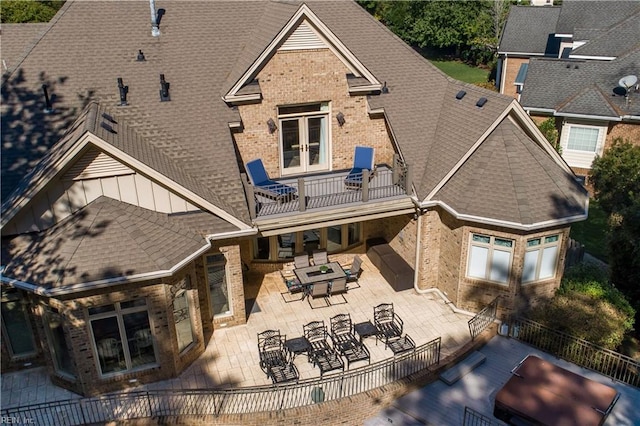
{"x": 231, "y": 357}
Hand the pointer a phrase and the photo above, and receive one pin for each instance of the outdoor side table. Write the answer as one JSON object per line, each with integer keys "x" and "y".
{"x": 297, "y": 345}
{"x": 365, "y": 329}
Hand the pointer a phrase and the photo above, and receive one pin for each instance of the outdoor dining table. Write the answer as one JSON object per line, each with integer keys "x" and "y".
{"x": 318, "y": 273}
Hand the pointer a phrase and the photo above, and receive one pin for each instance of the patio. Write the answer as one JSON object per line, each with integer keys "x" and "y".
{"x": 231, "y": 358}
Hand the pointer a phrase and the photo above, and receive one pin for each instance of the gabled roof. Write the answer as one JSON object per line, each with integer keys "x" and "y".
{"x": 615, "y": 41}
{"x": 592, "y": 15}
{"x": 581, "y": 87}
{"x": 304, "y": 18}
{"x": 529, "y": 30}
{"x": 79, "y": 250}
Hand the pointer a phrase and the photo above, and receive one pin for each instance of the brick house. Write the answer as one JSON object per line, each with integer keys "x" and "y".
{"x": 566, "y": 63}
{"x": 128, "y": 220}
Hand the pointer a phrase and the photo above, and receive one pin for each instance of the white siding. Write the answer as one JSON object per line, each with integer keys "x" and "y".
{"x": 161, "y": 199}
{"x": 303, "y": 37}
{"x": 576, "y": 158}
{"x": 128, "y": 192}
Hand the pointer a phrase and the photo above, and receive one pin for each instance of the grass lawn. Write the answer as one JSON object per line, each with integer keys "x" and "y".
{"x": 592, "y": 232}
{"x": 461, "y": 71}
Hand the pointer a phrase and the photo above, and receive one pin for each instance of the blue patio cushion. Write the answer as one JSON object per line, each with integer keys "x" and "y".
{"x": 259, "y": 177}
{"x": 362, "y": 160}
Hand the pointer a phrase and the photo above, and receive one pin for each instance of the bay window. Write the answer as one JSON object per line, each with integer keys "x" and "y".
{"x": 490, "y": 258}
{"x": 541, "y": 258}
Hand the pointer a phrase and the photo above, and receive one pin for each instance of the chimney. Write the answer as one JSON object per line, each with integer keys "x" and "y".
{"x": 155, "y": 30}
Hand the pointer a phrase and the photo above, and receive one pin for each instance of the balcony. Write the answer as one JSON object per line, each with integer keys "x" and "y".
{"x": 328, "y": 190}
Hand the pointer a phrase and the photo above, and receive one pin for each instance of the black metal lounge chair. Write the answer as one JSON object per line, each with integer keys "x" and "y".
{"x": 344, "y": 340}
{"x": 321, "y": 354}
{"x": 275, "y": 360}
{"x": 263, "y": 185}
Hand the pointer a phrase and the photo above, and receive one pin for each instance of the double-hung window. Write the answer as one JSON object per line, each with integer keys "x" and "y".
{"x": 122, "y": 336}
{"x": 541, "y": 258}
{"x": 304, "y": 138}
{"x": 581, "y": 143}
{"x": 490, "y": 258}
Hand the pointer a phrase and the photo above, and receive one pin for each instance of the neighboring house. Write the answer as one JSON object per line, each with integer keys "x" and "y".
{"x": 128, "y": 220}
{"x": 575, "y": 76}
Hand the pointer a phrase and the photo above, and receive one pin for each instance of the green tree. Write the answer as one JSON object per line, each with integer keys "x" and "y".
{"x": 549, "y": 130}
{"x": 616, "y": 182}
{"x": 23, "y": 11}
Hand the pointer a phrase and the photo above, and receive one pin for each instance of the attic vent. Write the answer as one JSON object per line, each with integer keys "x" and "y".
{"x": 481, "y": 102}
{"x": 96, "y": 164}
{"x": 303, "y": 37}
{"x": 460, "y": 94}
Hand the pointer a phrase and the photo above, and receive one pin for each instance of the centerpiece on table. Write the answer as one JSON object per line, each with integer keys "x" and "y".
{"x": 323, "y": 269}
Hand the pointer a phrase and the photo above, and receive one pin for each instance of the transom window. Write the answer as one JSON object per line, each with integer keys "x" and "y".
{"x": 490, "y": 258}
{"x": 304, "y": 138}
{"x": 122, "y": 336}
{"x": 541, "y": 258}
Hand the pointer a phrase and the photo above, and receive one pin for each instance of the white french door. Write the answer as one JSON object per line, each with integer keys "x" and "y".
{"x": 304, "y": 139}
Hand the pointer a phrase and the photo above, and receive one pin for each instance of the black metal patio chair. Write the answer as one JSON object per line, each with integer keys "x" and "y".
{"x": 344, "y": 340}
{"x": 389, "y": 328}
{"x": 275, "y": 360}
{"x": 321, "y": 354}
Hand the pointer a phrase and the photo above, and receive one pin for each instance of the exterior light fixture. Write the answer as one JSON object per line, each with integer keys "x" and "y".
{"x": 271, "y": 125}
{"x": 340, "y": 118}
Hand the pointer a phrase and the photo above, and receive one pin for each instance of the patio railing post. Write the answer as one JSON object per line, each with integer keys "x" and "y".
{"x": 408, "y": 183}
{"x": 396, "y": 169}
{"x": 251, "y": 198}
{"x": 365, "y": 185}
{"x": 302, "y": 199}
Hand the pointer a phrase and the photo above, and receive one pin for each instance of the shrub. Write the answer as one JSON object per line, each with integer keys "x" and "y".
{"x": 588, "y": 307}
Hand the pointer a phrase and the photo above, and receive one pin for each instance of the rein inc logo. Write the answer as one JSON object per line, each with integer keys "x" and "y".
{"x": 16, "y": 420}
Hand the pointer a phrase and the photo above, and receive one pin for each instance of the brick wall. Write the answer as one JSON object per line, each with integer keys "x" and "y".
{"x": 512, "y": 65}
{"x": 298, "y": 77}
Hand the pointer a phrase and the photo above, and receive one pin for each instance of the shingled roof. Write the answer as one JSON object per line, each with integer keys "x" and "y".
{"x": 581, "y": 87}
{"x": 529, "y": 30}
{"x": 80, "y": 248}
{"x": 204, "y": 49}
{"x": 583, "y": 15}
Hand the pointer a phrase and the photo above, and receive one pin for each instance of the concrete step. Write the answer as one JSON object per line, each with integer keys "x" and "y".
{"x": 456, "y": 372}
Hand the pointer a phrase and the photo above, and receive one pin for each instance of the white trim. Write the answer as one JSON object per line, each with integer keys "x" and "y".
{"x": 520, "y": 53}
{"x": 560, "y": 35}
{"x": 542, "y": 110}
{"x": 630, "y": 118}
{"x": 588, "y": 117}
{"x": 90, "y": 138}
{"x": 468, "y": 154}
{"x": 243, "y": 98}
{"x": 335, "y": 45}
{"x": 232, "y": 234}
{"x": 99, "y": 284}
{"x": 595, "y": 58}
{"x": 507, "y": 224}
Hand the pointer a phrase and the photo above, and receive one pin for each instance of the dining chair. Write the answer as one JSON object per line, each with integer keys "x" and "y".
{"x": 320, "y": 257}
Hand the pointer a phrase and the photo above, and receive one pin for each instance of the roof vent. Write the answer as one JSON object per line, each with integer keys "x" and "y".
{"x": 575, "y": 67}
{"x": 48, "y": 107}
{"x": 385, "y": 89}
{"x": 155, "y": 30}
{"x": 481, "y": 102}
{"x": 460, "y": 94}
{"x": 140, "y": 57}
{"x": 568, "y": 66}
{"x": 123, "y": 92}
{"x": 164, "y": 89}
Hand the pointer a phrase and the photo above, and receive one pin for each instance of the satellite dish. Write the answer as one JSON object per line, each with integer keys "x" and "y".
{"x": 628, "y": 81}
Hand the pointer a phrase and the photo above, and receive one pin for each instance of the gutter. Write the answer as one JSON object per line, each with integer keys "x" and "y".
{"x": 232, "y": 234}
{"x": 588, "y": 117}
{"x": 99, "y": 284}
{"x": 432, "y": 289}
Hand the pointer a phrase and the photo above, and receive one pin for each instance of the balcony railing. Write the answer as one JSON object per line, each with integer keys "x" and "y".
{"x": 321, "y": 191}
{"x": 216, "y": 402}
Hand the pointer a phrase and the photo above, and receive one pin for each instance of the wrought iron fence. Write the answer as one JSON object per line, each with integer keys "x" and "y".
{"x": 146, "y": 404}
{"x": 483, "y": 319}
{"x": 474, "y": 418}
{"x": 585, "y": 354}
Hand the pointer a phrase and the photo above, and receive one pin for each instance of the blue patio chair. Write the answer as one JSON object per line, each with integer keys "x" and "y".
{"x": 264, "y": 185}
{"x": 362, "y": 160}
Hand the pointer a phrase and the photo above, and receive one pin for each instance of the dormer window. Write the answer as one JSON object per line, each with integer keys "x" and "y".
{"x": 304, "y": 138}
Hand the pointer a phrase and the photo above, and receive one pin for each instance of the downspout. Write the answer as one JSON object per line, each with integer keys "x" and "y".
{"x": 432, "y": 289}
